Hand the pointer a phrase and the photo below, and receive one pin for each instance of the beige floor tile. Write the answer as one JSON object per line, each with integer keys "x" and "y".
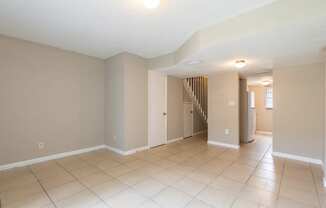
{"x": 217, "y": 198}
{"x": 305, "y": 197}
{"x": 264, "y": 184}
{"x": 95, "y": 179}
{"x": 126, "y": 199}
{"x": 84, "y": 171}
{"x": 258, "y": 196}
{"x": 195, "y": 203}
{"x": 245, "y": 204}
{"x": 189, "y": 186}
{"x": 83, "y": 199}
{"x": 73, "y": 164}
{"x": 168, "y": 177}
{"x": 21, "y": 193}
{"x": 132, "y": 177}
{"x": 239, "y": 173}
{"x": 229, "y": 185}
{"x": 17, "y": 182}
{"x": 109, "y": 188}
{"x": 118, "y": 170}
{"x": 59, "y": 180}
{"x": 107, "y": 164}
{"x": 148, "y": 204}
{"x": 39, "y": 200}
{"x": 172, "y": 198}
{"x": 65, "y": 190}
{"x": 203, "y": 176}
{"x": 148, "y": 187}
{"x": 287, "y": 203}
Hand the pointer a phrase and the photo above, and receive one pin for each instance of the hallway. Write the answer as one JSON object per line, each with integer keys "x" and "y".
{"x": 188, "y": 173}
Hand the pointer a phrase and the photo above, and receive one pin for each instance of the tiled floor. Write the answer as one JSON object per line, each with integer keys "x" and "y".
{"x": 184, "y": 174}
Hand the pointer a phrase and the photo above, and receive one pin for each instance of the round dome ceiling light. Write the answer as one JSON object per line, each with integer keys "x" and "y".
{"x": 151, "y": 4}
{"x": 240, "y": 64}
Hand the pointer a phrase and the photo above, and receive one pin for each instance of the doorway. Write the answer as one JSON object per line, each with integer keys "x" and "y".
{"x": 256, "y": 106}
{"x": 157, "y": 105}
{"x": 188, "y": 127}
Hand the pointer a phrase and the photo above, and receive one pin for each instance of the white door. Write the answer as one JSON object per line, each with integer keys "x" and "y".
{"x": 188, "y": 120}
{"x": 157, "y": 105}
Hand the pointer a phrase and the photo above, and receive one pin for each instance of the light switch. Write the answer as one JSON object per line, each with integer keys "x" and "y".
{"x": 227, "y": 131}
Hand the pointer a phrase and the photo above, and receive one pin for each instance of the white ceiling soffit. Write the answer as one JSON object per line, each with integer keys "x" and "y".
{"x": 103, "y": 28}
{"x": 282, "y": 33}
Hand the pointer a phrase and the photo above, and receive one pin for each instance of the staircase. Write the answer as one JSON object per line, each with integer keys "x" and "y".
{"x": 196, "y": 88}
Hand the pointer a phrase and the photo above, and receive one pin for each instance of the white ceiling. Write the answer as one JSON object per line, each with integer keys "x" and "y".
{"x": 295, "y": 45}
{"x": 102, "y": 28}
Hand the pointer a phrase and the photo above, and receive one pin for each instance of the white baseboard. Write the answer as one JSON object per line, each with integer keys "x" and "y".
{"x": 298, "y": 158}
{"x": 233, "y": 146}
{"x": 133, "y": 151}
{"x": 128, "y": 152}
{"x": 50, "y": 157}
{"x": 264, "y": 132}
{"x": 199, "y": 132}
{"x": 174, "y": 140}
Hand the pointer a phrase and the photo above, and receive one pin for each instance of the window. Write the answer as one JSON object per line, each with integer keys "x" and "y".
{"x": 269, "y": 97}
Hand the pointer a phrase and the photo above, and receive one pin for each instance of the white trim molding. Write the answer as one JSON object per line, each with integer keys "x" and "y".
{"x": 232, "y": 146}
{"x": 264, "y": 132}
{"x": 297, "y": 157}
{"x": 128, "y": 152}
{"x": 50, "y": 157}
{"x": 174, "y": 140}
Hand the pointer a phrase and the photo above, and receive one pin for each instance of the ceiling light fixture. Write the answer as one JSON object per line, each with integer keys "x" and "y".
{"x": 151, "y": 4}
{"x": 266, "y": 82}
{"x": 240, "y": 64}
{"x": 194, "y": 62}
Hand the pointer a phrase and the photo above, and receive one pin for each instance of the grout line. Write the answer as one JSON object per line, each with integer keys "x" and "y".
{"x": 43, "y": 188}
{"x": 315, "y": 185}
{"x": 77, "y": 179}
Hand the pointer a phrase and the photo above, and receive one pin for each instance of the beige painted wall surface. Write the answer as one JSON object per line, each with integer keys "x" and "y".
{"x": 114, "y": 102}
{"x": 223, "y": 88}
{"x": 299, "y": 111}
{"x": 175, "y": 107}
{"x": 135, "y": 102}
{"x": 48, "y": 95}
{"x": 126, "y": 102}
{"x": 264, "y": 117}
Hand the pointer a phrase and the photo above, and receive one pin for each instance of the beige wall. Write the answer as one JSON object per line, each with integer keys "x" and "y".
{"x": 126, "y": 102}
{"x": 135, "y": 102}
{"x": 48, "y": 95}
{"x": 175, "y": 107}
{"x": 114, "y": 102}
{"x": 264, "y": 117}
{"x": 299, "y": 111}
{"x": 223, "y": 91}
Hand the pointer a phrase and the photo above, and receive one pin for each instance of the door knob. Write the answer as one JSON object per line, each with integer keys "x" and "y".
{"x": 164, "y": 114}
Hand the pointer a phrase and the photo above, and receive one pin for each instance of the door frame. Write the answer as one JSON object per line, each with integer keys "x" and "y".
{"x": 149, "y": 139}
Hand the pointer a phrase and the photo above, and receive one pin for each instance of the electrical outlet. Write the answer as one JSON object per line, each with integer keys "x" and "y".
{"x": 41, "y": 145}
{"x": 227, "y": 131}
